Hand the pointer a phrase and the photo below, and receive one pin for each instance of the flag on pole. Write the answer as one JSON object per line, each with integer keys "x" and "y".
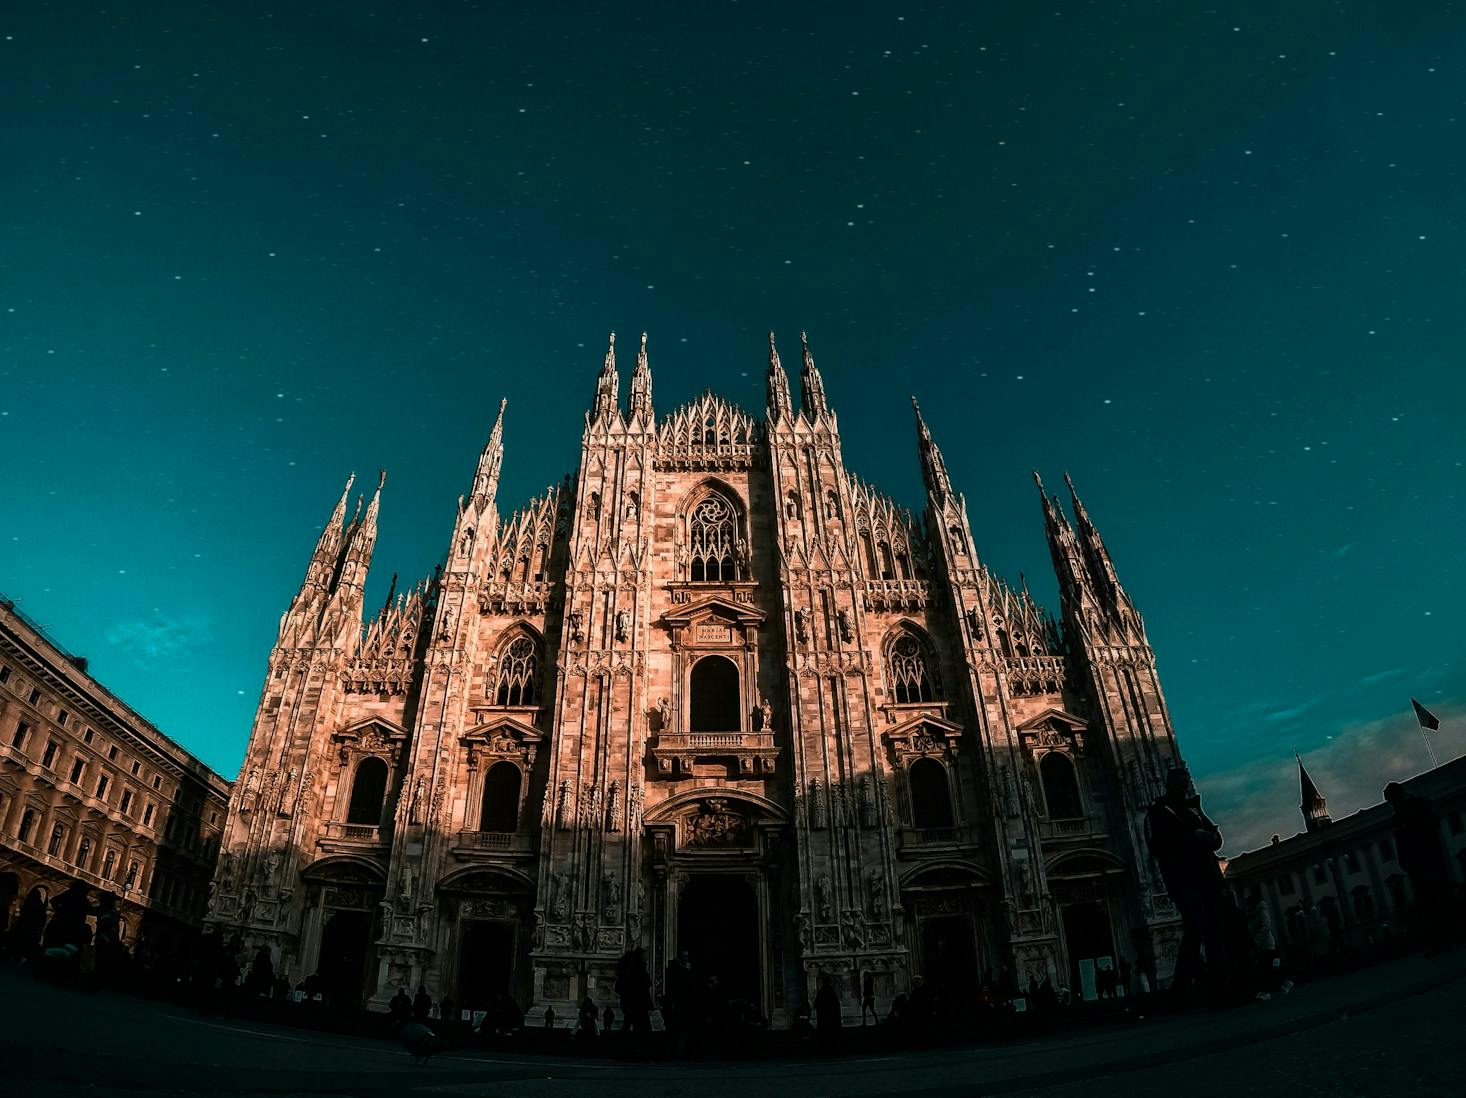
{"x": 1426, "y": 718}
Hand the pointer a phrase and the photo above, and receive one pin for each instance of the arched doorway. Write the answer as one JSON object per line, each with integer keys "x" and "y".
{"x": 9, "y": 890}
{"x": 718, "y": 926}
{"x": 346, "y": 938}
{"x": 485, "y": 962}
{"x": 1090, "y": 942}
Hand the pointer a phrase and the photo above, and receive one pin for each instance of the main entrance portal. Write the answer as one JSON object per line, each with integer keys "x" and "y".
{"x": 485, "y": 963}
{"x": 345, "y": 940}
{"x": 718, "y": 925}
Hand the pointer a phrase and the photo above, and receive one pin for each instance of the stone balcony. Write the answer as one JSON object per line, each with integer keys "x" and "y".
{"x": 752, "y": 753}
{"x": 363, "y": 834}
{"x": 1086, "y": 828}
{"x": 928, "y": 839}
{"x": 470, "y": 844}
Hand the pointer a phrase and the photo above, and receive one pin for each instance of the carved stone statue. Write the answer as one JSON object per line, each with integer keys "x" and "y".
{"x": 610, "y": 897}
{"x": 877, "y": 886}
{"x": 816, "y": 804}
{"x": 824, "y": 900}
{"x": 415, "y": 805}
{"x": 842, "y": 619}
{"x": 577, "y": 625}
{"x": 801, "y": 626}
{"x": 740, "y": 557}
{"x": 853, "y": 931}
{"x": 558, "y": 897}
{"x": 613, "y": 807}
{"x": 623, "y": 625}
{"x": 804, "y": 931}
{"x": 664, "y": 715}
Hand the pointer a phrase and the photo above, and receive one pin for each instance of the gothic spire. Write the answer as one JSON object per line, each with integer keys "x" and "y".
{"x": 1101, "y": 567}
{"x": 933, "y": 468}
{"x": 1315, "y": 808}
{"x": 362, "y": 540}
{"x": 779, "y": 404}
{"x": 328, "y": 545}
{"x": 641, "y": 386}
{"x": 608, "y": 386}
{"x": 812, "y": 386}
{"x": 490, "y": 462}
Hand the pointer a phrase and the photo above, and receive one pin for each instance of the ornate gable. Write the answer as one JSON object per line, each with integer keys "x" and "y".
{"x": 1053, "y": 730}
{"x": 923, "y": 735}
{"x": 502, "y": 737}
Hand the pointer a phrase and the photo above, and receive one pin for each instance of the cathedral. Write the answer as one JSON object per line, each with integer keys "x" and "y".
{"x": 710, "y": 693}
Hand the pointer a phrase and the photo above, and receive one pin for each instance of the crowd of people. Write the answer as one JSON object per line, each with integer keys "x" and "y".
{"x": 1230, "y": 953}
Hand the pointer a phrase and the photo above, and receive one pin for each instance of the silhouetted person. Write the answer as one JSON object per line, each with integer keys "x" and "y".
{"x": 506, "y": 1014}
{"x": 261, "y": 975}
{"x": 422, "y": 1004}
{"x": 69, "y": 911}
{"x": 1422, "y": 855}
{"x": 868, "y": 998}
{"x": 1265, "y": 942}
{"x": 679, "y": 1000}
{"x": 399, "y": 1007}
{"x": 24, "y": 939}
{"x": 920, "y": 1010}
{"x": 827, "y": 1015}
{"x": 585, "y": 1022}
{"x": 549, "y": 1017}
{"x": 608, "y": 1019}
{"x": 1184, "y": 842}
{"x": 111, "y": 956}
{"x": 1124, "y": 966}
{"x": 634, "y": 989}
{"x": 448, "y": 1009}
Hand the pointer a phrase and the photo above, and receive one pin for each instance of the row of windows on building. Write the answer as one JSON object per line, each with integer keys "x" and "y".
{"x": 83, "y": 858}
{"x": 1351, "y": 860}
{"x": 77, "y": 774}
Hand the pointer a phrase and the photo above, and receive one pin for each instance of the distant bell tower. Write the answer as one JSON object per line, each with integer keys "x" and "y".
{"x": 1315, "y": 808}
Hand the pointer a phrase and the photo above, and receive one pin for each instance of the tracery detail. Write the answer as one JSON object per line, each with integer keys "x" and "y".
{"x": 518, "y": 681}
{"x": 712, "y": 537}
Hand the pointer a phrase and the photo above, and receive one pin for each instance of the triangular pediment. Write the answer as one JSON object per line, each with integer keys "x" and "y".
{"x": 924, "y": 722}
{"x": 1050, "y": 715}
{"x": 714, "y": 606}
{"x": 498, "y": 727}
{"x": 385, "y": 730}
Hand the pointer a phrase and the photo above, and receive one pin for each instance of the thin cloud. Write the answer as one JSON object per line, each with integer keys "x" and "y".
{"x": 1260, "y": 798}
{"x": 154, "y": 642}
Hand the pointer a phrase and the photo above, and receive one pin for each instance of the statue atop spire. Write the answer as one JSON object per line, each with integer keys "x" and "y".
{"x": 812, "y": 386}
{"x": 641, "y": 386}
{"x": 779, "y": 404}
{"x": 933, "y": 468}
{"x": 608, "y": 386}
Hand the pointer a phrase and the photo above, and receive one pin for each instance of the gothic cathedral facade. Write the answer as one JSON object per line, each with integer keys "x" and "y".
{"x": 709, "y": 693}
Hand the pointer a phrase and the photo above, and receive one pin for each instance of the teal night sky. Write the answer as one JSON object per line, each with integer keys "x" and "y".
{"x": 1209, "y": 262}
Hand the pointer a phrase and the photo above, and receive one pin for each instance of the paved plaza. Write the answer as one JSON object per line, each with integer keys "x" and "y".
{"x": 1393, "y": 1029}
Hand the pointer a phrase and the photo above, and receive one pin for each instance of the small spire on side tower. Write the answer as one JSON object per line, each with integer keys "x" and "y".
{"x": 933, "y": 468}
{"x": 490, "y": 462}
{"x": 812, "y": 387}
{"x": 641, "y": 386}
{"x": 608, "y": 386}
{"x": 1315, "y": 808}
{"x": 779, "y": 404}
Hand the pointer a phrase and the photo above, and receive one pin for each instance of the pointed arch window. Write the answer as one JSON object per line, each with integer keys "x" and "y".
{"x": 868, "y": 547}
{"x": 712, "y": 535}
{"x": 912, "y": 680}
{"x": 888, "y": 564}
{"x": 519, "y": 673}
